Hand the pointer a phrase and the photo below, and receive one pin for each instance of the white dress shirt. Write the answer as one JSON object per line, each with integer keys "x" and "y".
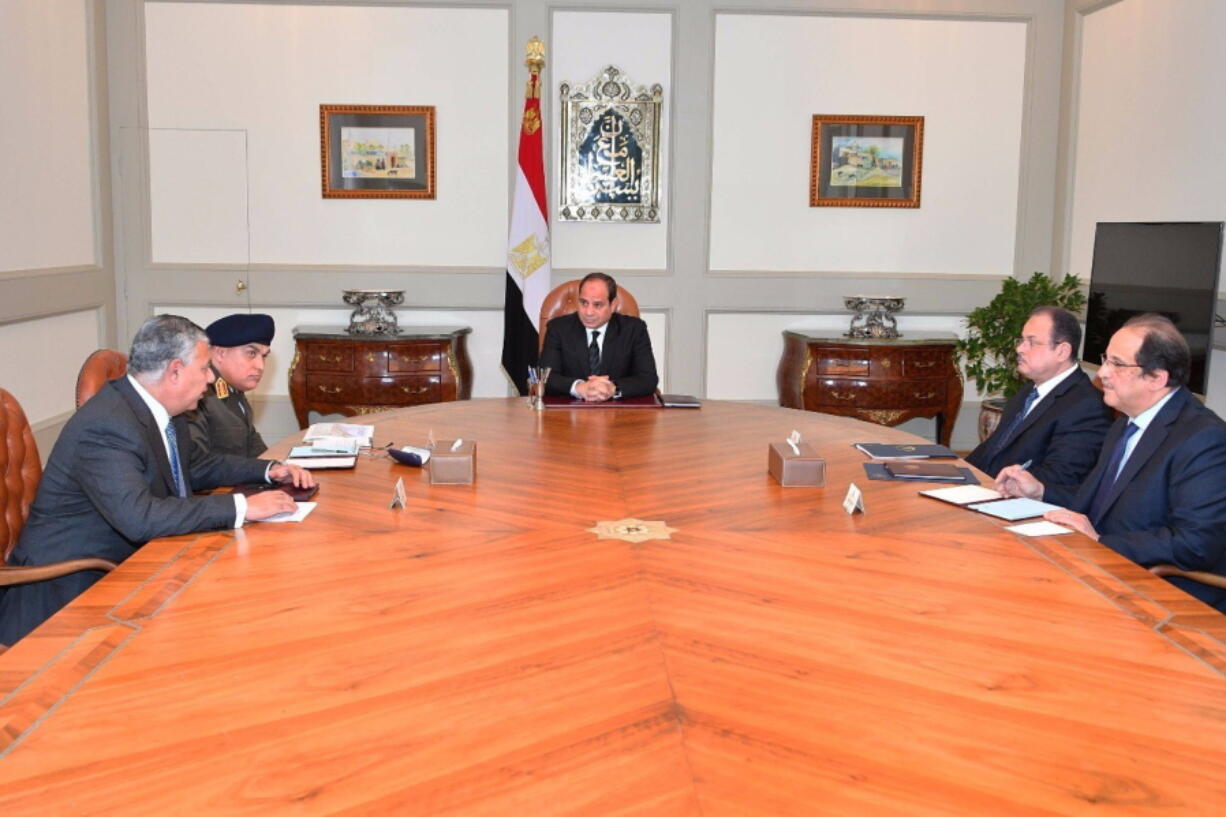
{"x": 162, "y": 418}
{"x": 1045, "y": 388}
{"x": 1142, "y": 421}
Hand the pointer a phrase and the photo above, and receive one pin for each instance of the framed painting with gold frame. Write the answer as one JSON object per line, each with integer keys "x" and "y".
{"x": 377, "y": 151}
{"x": 866, "y": 161}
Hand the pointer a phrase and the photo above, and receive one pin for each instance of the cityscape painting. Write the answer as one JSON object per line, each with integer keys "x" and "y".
{"x": 377, "y": 151}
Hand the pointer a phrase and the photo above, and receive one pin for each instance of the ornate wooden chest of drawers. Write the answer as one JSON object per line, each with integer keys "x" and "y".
{"x": 335, "y": 372}
{"x": 879, "y": 380}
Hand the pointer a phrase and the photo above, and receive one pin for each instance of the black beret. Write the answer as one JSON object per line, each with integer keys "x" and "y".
{"x": 241, "y": 329}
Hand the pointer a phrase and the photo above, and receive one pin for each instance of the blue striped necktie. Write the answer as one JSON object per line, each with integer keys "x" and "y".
{"x": 175, "y": 470}
{"x": 1003, "y": 438}
{"x": 1099, "y": 502}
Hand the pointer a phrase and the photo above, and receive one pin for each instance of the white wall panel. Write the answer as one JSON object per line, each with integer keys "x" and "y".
{"x": 46, "y": 210}
{"x": 657, "y": 330}
{"x": 1149, "y": 119}
{"x": 198, "y": 197}
{"x": 484, "y": 344}
{"x": 41, "y": 360}
{"x": 965, "y": 77}
{"x": 266, "y": 69}
{"x": 584, "y": 44}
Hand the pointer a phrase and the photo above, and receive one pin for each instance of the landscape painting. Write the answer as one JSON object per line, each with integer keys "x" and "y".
{"x": 859, "y": 161}
{"x": 377, "y": 153}
{"x": 866, "y": 161}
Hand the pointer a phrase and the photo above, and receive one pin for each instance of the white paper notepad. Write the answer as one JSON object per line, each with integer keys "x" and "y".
{"x": 297, "y": 515}
{"x": 1041, "y": 528}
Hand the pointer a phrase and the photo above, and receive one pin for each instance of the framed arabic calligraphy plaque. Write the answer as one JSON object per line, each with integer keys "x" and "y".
{"x": 610, "y": 150}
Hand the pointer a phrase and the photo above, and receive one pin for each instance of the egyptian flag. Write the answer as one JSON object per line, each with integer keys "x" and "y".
{"x": 528, "y": 268}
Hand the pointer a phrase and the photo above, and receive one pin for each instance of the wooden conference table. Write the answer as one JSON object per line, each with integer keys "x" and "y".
{"x": 484, "y": 653}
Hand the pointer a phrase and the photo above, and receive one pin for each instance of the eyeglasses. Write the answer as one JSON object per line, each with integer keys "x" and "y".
{"x": 1118, "y": 364}
{"x": 1030, "y": 343}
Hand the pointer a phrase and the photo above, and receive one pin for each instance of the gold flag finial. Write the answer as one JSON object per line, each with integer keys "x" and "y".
{"x": 536, "y": 55}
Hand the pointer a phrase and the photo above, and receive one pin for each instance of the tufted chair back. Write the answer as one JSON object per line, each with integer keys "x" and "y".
{"x": 99, "y": 367}
{"x": 20, "y": 470}
{"x": 564, "y": 299}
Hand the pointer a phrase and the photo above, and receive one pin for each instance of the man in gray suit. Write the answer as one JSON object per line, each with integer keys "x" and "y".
{"x": 122, "y": 473}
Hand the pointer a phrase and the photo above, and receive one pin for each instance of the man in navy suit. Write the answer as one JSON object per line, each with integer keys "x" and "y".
{"x": 597, "y": 354}
{"x": 1058, "y": 421}
{"x": 123, "y": 471}
{"x": 1158, "y": 492}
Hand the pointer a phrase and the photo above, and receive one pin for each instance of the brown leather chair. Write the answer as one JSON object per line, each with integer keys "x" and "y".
{"x": 101, "y": 366}
{"x": 1211, "y": 579}
{"x": 20, "y": 470}
{"x": 564, "y": 299}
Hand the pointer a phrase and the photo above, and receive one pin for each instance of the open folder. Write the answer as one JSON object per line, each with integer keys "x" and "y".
{"x": 332, "y": 448}
{"x": 963, "y": 494}
{"x": 294, "y": 493}
{"x": 991, "y": 502}
{"x": 320, "y": 463}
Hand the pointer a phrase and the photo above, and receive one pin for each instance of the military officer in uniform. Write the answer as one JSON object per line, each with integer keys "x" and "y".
{"x": 222, "y": 423}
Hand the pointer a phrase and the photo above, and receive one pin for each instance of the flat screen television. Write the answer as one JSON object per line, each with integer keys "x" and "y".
{"x": 1170, "y": 268}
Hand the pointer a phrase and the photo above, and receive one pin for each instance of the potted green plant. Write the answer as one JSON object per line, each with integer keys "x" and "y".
{"x": 989, "y": 353}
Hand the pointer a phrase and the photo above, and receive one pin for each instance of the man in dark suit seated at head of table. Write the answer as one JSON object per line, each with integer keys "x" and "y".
{"x": 1057, "y": 422}
{"x": 222, "y": 422}
{"x": 597, "y": 354}
{"x": 1158, "y": 492}
{"x": 122, "y": 473}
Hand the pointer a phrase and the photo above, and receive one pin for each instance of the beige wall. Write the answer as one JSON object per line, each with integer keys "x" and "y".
{"x": 1141, "y": 82}
{"x": 670, "y": 266}
{"x": 57, "y": 301}
{"x": 283, "y": 249}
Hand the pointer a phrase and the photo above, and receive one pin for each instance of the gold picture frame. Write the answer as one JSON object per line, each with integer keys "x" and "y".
{"x": 377, "y": 151}
{"x": 866, "y": 161}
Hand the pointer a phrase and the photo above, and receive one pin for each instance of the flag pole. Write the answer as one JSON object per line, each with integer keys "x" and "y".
{"x": 529, "y": 271}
